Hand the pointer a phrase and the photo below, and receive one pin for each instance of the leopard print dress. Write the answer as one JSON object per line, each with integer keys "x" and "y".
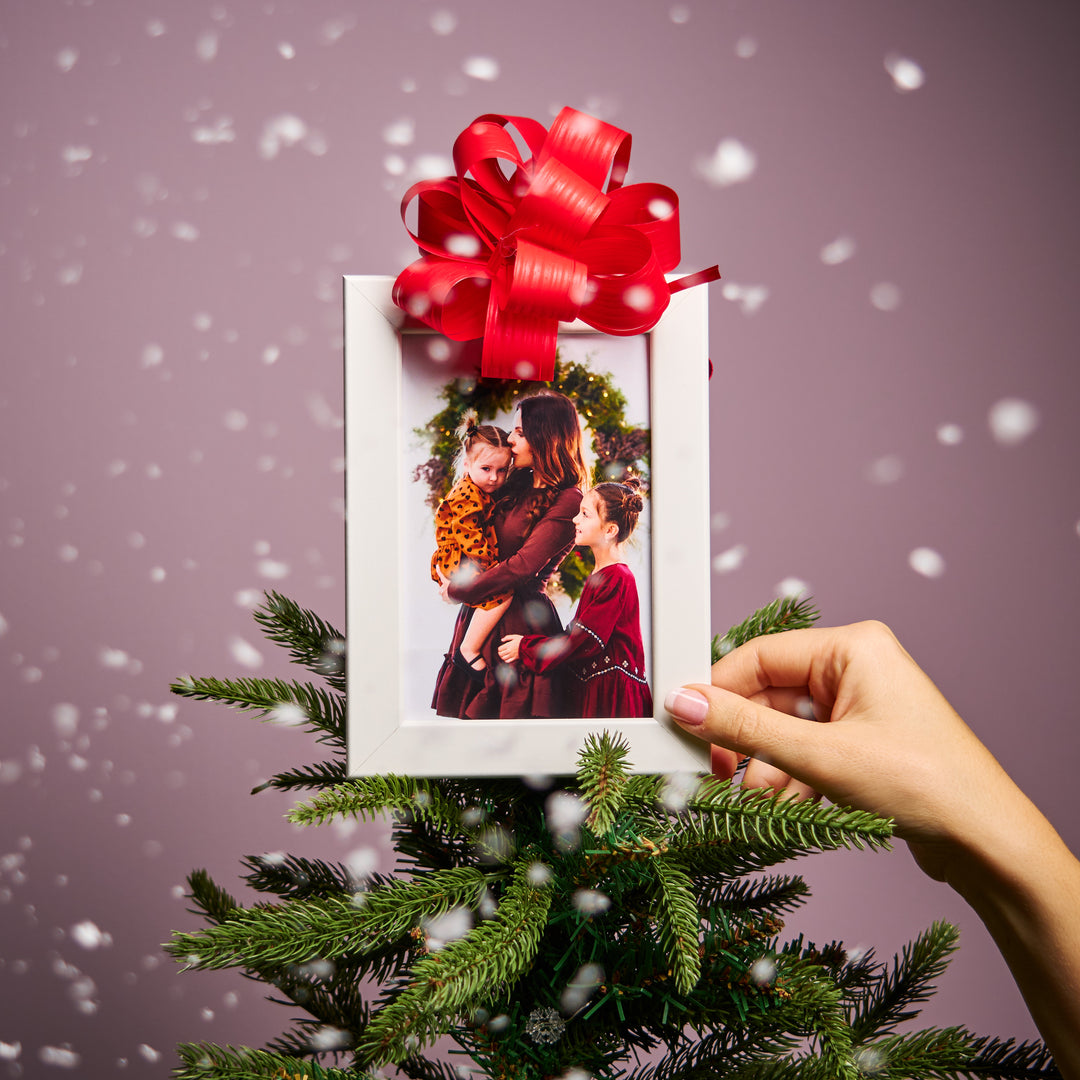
{"x": 463, "y": 532}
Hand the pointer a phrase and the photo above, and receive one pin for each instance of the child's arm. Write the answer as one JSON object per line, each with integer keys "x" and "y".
{"x": 508, "y": 650}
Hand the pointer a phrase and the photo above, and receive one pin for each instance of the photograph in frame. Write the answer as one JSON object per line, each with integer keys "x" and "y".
{"x": 406, "y": 388}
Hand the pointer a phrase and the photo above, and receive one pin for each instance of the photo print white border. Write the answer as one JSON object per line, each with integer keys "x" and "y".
{"x": 386, "y": 732}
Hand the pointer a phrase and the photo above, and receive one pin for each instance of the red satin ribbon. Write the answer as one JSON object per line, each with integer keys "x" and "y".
{"x": 510, "y": 251}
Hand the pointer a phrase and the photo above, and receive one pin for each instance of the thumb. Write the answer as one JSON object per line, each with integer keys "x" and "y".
{"x": 747, "y": 727}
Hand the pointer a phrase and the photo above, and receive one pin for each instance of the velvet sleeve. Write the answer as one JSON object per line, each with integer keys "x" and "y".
{"x": 589, "y": 631}
{"x": 553, "y": 533}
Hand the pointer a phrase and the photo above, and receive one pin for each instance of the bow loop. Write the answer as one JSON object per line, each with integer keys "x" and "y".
{"x": 512, "y": 246}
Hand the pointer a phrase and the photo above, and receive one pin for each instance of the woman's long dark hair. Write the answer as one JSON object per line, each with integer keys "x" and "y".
{"x": 549, "y": 422}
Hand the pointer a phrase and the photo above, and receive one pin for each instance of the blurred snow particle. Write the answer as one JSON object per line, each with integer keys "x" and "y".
{"x": 202, "y": 320}
{"x": 730, "y": 163}
{"x": 361, "y": 863}
{"x": 3, "y": 626}
{"x": 837, "y": 251}
{"x": 334, "y": 30}
{"x": 247, "y": 597}
{"x": 906, "y": 74}
{"x": 322, "y": 412}
{"x": 152, "y": 355}
{"x": 287, "y": 714}
{"x": 271, "y": 354}
{"x": 74, "y": 155}
{"x": 1012, "y": 421}
{"x": 89, "y": 936}
{"x": 679, "y": 788}
{"x": 400, "y": 132}
{"x": 926, "y": 561}
{"x": 230, "y": 999}
{"x": 591, "y": 901}
{"x": 443, "y": 22}
{"x": 220, "y": 131}
{"x": 236, "y": 420}
{"x": 329, "y": 1038}
{"x": 679, "y": 14}
{"x": 65, "y": 59}
{"x": 10, "y": 1051}
{"x": 273, "y": 569}
{"x": 148, "y": 1053}
{"x": 65, "y": 718}
{"x": 184, "y": 230}
{"x": 792, "y": 587}
{"x": 950, "y": 434}
{"x": 746, "y": 47}
{"x": 581, "y": 987}
{"x": 155, "y": 27}
{"x": 885, "y": 296}
{"x": 870, "y": 1060}
{"x": 243, "y": 652}
{"x": 483, "y": 68}
{"x": 68, "y": 553}
{"x": 720, "y": 521}
{"x": 564, "y": 812}
{"x": 748, "y": 297}
{"x": 538, "y": 874}
{"x": 280, "y": 131}
{"x": 394, "y": 164}
{"x": 729, "y": 560}
{"x": 763, "y": 971}
{"x": 454, "y": 924}
{"x": 885, "y": 470}
{"x": 206, "y": 46}
{"x": 286, "y": 50}
{"x": 61, "y": 1056}
{"x": 157, "y": 574}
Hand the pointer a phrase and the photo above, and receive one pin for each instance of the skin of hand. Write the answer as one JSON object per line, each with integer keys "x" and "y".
{"x": 508, "y": 650}
{"x": 847, "y": 713}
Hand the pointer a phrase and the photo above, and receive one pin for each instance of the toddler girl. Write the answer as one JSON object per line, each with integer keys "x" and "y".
{"x": 463, "y": 532}
{"x": 602, "y": 647}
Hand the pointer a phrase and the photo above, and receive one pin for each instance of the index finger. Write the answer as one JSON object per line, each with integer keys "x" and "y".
{"x": 789, "y": 660}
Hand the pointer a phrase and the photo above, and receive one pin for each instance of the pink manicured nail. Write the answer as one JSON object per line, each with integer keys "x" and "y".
{"x": 688, "y": 707}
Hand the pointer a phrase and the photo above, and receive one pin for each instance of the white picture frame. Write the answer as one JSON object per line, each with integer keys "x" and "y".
{"x": 383, "y": 736}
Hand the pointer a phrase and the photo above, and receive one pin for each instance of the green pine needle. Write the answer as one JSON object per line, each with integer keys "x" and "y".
{"x": 787, "y": 613}
{"x": 310, "y": 641}
{"x": 206, "y": 1061}
{"x": 602, "y": 776}
{"x": 678, "y": 921}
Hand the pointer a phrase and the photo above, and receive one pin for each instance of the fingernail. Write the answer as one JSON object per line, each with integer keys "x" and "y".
{"x": 688, "y": 707}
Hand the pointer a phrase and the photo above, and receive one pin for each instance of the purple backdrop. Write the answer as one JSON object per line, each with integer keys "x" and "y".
{"x": 889, "y": 191}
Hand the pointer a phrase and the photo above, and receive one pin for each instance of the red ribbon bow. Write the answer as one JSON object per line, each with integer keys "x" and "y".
{"x": 509, "y": 253}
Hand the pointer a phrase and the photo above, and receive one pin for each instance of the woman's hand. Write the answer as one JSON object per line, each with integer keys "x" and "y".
{"x": 848, "y": 713}
{"x": 508, "y": 650}
{"x": 444, "y": 587}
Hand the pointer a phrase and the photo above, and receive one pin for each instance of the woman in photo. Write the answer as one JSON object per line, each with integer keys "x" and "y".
{"x": 533, "y": 519}
{"x": 602, "y": 647}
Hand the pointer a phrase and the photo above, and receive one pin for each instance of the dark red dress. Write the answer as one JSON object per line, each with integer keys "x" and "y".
{"x": 601, "y": 650}
{"x": 527, "y": 559}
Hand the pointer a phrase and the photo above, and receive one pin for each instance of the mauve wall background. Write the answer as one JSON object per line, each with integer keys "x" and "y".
{"x": 183, "y": 185}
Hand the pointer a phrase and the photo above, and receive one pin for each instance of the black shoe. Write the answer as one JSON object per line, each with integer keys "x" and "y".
{"x": 475, "y": 673}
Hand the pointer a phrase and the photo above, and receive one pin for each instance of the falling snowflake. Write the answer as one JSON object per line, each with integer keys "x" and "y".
{"x": 1012, "y": 421}
{"x": 837, "y": 251}
{"x": 280, "y": 132}
{"x": 885, "y": 296}
{"x": 731, "y": 163}
{"x": 927, "y": 561}
{"x": 729, "y": 560}
{"x": 243, "y": 652}
{"x": 950, "y": 434}
{"x": 443, "y": 22}
{"x": 746, "y": 47}
{"x": 906, "y": 74}
{"x": 591, "y": 901}
{"x": 545, "y": 1026}
{"x": 454, "y": 924}
{"x": 484, "y": 68}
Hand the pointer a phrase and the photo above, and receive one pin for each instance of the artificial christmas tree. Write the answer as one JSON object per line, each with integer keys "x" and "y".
{"x": 612, "y": 925}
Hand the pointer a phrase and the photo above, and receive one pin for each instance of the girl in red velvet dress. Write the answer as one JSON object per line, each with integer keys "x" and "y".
{"x": 533, "y": 517}
{"x": 602, "y": 649}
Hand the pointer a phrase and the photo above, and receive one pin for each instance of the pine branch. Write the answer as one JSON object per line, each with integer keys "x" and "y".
{"x": 787, "y": 613}
{"x": 444, "y": 983}
{"x": 887, "y": 1002}
{"x": 295, "y": 704}
{"x": 207, "y": 1061}
{"x": 602, "y": 776}
{"x": 294, "y": 878}
{"x": 373, "y": 796}
{"x": 321, "y": 774}
{"x": 745, "y": 896}
{"x": 677, "y": 921}
{"x": 1009, "y": 1060}
{"x": 211, "y": 901}
{"x": 272, "y": 936}
{"x": 310, "y": 641}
